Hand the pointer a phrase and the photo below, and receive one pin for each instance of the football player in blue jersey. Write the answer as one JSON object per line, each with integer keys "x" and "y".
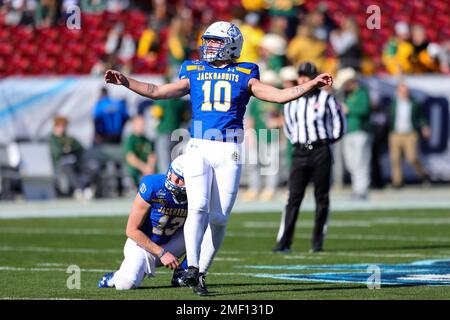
{"x": 154, "y": 230}
{"x": 220, "y": 89}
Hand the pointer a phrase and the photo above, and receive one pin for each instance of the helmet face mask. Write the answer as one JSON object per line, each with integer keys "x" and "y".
{"x": 212, "y": 53}
{"x": 231, "y": 39}
{"x": 178, "y": 191}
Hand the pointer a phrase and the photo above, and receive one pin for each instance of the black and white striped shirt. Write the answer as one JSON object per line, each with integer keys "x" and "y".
{"x": 314, "y": 117}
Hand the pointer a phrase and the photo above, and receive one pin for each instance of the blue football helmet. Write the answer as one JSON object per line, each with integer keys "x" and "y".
{"x": 231, "y": 38}
{"x": 178, "y": 192}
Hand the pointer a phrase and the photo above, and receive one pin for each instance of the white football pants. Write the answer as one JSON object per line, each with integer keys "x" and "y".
{"x": 138, "y": 262}
{"x": 212, "y": 175}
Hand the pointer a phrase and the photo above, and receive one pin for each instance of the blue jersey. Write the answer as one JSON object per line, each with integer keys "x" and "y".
{"x": 219, "y": 97}
{"x": 110, "y": 116}
{"x": 166, "y": 216}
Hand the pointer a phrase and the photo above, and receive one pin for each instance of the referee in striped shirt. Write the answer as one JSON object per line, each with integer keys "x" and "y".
{"x": 311, "y": 123}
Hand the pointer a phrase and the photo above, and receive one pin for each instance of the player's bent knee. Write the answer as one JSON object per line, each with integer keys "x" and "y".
{"x": 218, "y": 219}
{"x": 122, "y": 283}
{"x": 199, "y": 205}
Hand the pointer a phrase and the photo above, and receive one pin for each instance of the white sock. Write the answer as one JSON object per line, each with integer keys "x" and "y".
{"x": 194, "y": 229}
{"x": 212, "y": 241}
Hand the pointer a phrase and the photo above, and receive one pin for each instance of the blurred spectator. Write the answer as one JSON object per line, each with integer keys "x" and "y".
{"x": 396, "y": 50}
{"x": 148, "y": 46}
{"x": 420, "y": 57}
{"x": 254, "y": 5}
{"x": 440, "y": 54}
{"x": 159, "y": 18}
{"x": 406, "y": 120}
{"x": 284, "y": 16}
{"x": 67, "y": 153}
{"x": 106, "y": 61}
{"x": 139, "y": 152}
{"x": 110, "y": 116}
{"x": 252, "y": 34}
{"x": 357, "y": 140}
{"x": 17, "y": 12}
{"x": 179, "y": 42}
{"x": 273, "y": 49}
{"x": 345, "y": 42}
{"x": 106, "y": 155}
{"x": 47, "y": 13}
{"x": 263, "y": 116}
{"x": 170, "y": 114}
{"x": 317, "y": 21}
{"x": 117, "y": 5}
{"x": 304, "y": 47}
{"x": 93, "y": 6}
{"x": 327, "y": 24}
{"x": 121, "y": 44}
{"x": 380, "y": 128}
{"x": 288, "y": 76}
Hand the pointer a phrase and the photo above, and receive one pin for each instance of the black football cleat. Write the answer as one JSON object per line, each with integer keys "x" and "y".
{"x": 191, "y": 277}
{"x": 201, "y": 289}
{"x": 178, "y": 278}
{"x": 284, "y": 250}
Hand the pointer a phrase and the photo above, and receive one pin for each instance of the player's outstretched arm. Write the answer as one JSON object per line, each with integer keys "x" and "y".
{"x": 272, "y": 94}
{"x": 138, "y": 213}
{"x": 149, "y": 90}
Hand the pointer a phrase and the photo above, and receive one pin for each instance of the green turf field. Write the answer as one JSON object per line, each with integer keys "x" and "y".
{"x": 35, "y": 254}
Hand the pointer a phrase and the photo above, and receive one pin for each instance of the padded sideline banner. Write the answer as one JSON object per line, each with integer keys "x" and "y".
{"x": 28, "y": 105}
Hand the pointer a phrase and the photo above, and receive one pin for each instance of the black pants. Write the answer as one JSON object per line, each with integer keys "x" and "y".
{"x": 307, "y": 165}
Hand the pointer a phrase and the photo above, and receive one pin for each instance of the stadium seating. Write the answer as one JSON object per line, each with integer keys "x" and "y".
{"x": 58, "y": 50}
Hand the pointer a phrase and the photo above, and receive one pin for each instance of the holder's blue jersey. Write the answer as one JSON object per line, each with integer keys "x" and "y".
{"x": 166, "y": 216}
{"x": 219, "y": 97}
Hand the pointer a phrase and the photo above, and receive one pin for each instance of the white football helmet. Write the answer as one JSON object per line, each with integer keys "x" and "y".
{"x": 176, "y": 168}
{"x": 232, "y": 42}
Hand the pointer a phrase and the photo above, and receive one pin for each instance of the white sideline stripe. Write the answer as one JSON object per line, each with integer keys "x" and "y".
{"x": 322, "y": 255}
{"x": 60, "y": 250}
{"x": 356, "y": 223}
{"x": 40, "y": 298}
{"x": 23, "y": 269}
{"x": 229, "y": 234}
{"x": 370, "y": 255}
{"x": 26, "y": 230}
{"x": 82, "y": 250}
{"x": 347, "y": 237}
{"x": 34, "y": 269}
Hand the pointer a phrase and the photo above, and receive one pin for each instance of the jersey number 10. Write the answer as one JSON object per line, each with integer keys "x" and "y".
{"x": 219, "y": 104}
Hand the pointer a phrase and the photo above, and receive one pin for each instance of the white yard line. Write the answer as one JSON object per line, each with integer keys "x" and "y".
{"x": 60, "y": 250}
{"x": 344, "y": 237}
{"x": 160, "y": 271}
{"x": 368, "y": 222}
{"x": 229, "y": 234}
{"x": 88, "y": 231}
{"x": 34, "y": 298}
{"x": 34, "y": 269}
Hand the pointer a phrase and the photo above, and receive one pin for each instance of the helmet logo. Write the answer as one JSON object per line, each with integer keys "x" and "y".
{"x": 233, "y": 31}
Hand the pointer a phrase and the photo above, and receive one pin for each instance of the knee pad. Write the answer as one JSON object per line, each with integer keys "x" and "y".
{"x": 218, "y": 219}
{"x": 122, "y": 283}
